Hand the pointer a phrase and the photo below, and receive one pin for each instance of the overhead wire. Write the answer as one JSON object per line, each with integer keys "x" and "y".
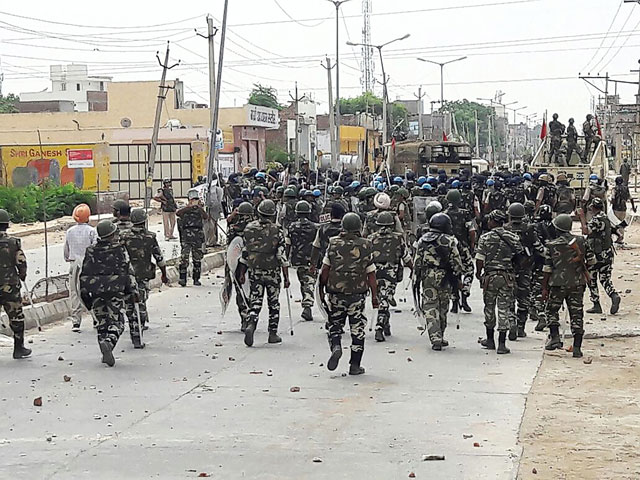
{"x": 294, "y": 20}
{"x": 595, "y": 67}
{"x": 585, "y": 68}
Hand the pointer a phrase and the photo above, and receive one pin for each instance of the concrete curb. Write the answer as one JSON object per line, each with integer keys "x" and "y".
{"x": 47, "y": 313}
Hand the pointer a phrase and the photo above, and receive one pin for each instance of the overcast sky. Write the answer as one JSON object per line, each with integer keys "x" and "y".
{"x": 532, "y": 50}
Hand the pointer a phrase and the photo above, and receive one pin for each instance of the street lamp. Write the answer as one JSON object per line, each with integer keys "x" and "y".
{"x": 384, "y": 77}
{"x": 337, "y": 4}
{"x": 441, "y": 74}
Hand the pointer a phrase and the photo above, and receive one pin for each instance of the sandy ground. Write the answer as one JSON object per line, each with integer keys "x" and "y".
{"x": 582, "y": 420}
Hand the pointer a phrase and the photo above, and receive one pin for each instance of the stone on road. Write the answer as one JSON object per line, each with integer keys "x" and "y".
{"x": 182, "y": 406}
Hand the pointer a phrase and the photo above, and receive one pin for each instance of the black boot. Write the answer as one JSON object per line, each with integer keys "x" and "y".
{"x": 554, "y": 341}
{"x": 386, "y": 328}
{"x": 596, "y": 308}
{"x": 196, "y": 281}
{"x": 464, "y": 304}
{"x": 355, "y": 368}
{"x": 248, "y": 333}
{"x": 183, "y": 279}
{"x": 454, "y": 305}
{"x": 274, "y": 337}
{"x": 437, "y": 346}
{"x": 243, "y": 325}
{"x": 502, "y": 344}
{"x": 19, "y": 350}
{"x": 306, "y": 314}
{"x": 137, "y": 342}
{"x": 489, "y": 343}
{"x": 542, "y": 324}
{"x": 379, "y": 335}
{"x": 522, "y": 321}
{"x": 615, "y": 304}
{"x": 107, "y": 353}
{"x": 577, "y": 345}
{"x": 336, "y": 354}
{"x": 513, "y": 332}
{"x": 392, "y": 301}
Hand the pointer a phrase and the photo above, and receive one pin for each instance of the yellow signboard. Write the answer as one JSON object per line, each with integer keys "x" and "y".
{"x": 30, "y": 164}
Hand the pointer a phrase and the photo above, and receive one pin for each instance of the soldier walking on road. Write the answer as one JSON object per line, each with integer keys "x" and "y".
{"x": 142, "y": 245}
{"x": 299, "y": 240}
{"x": 121, "y": 214}
{"x": 326, "y": 232}
{"x": 545, "y": 232}
{"x": 495, "y": 254}
{"x": 619, "y": 199}
{"x": 77, "y": 239}
{"x": 389, "y": 254}
{"x": 600, "y": 245}
{"x": 264, "y": 257}
{"x": 348, "y": 272}
{"x": 237, "y": 222}
{"x": 13, "y": 269}
{"x": 565, "y": 277}
{"x": 438, "y": 268}
{"x": 191, "y": 227}
{"x": 107, "y": 278}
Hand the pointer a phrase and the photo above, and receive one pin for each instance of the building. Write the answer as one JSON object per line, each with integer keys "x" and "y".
{"x": 72, "y": 89}
{"x": 285, "y": 138}
{"x": 359, "y": 140}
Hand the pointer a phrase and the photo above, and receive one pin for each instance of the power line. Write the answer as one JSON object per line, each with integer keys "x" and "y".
{"x": 620, "y": 47}
{"x": 294, "y": 20}
{"x": 584, "y": 69}
{"x": 595, "y": 67}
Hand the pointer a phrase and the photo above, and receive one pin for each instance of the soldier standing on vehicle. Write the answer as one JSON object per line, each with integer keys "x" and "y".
{"x": 572, "y": 141}
{"x": 264, "y": 257}
{"x": 495, "y": 254}
{"x": 600, "y": 244}
{"x": 438, "y": 268}
{"x": 619, "y": 199}
{"x": 590, "y": 138}
{"x": 168, "y": 207}
{"x": 557, "y": 130}
{"x": 389, "y": 254}
{"x": 565, "y": 196}
{"x": 565, "y": 274}
{"x": 299, "y": 240}
{"x": 191, "y": 228}
{"x": 13, "y": 269}
{"x": 348, "y": 272}
{"x": 464, "y": 230}
{"x": 107, "y": 278}
{"x": 142, "y": 245}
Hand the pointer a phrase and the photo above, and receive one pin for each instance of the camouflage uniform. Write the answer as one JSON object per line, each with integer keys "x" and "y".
{"x": 369, "y": 224}
{"x": 107, "y": 278}
{"x": 496, "y": 249}
{"x": 437, "y": 264}
{"x": 325, "y": 233}
{"x": 287, "y": 214}
{"x": 389, "y": 251}
{"x": 600, "y": 245}
{"x": 264, "y": 255}
{"x": 463, "y": 224}
{"x": 141, "y": 245}
{"x": 191, "y": 228}
{"x": 350, "y": 259}
{"x": 13, "y": 268}
{"x": 300, "y": 237}
{"x": 537, "y": 306}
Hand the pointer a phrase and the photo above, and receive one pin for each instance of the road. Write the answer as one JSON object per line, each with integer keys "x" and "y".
{"x": 196, "y": 400}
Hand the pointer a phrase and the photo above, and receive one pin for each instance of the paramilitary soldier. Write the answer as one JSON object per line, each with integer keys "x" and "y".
{"x": 191, "y": 227}
{"x": 141, "y": 245}
{"x": 264, "y": 257}
{"x": 107, "y": 278}
{"x": 236, "y": 224}
{"x": 389, "y": 254}
{"x": 299, "y": 240}
{"x": 565, "y": 277}
{"x": 13, "y": 269}
{"x": 348, "y": 272}
{"x": 438, "y": 267}
{"x": 600, "y": 244}
{"x": 495, "y": 255}
{"x": 326, "y": 232}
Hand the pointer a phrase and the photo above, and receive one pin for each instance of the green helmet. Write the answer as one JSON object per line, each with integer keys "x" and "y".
{"x": 516, "y": 210}
{"x": 454, "y": 197}
{"x": 351, "y": 222}
{"x": 441, "y": 222}
{"x": 303, "y": 208}
{"x": 290, "y": 193}
{"x": 404, "y": 192}
{"x": 4, "y": 216}
{"x": 138, "y": 216}
{"x": 563, "y": 222}
{"x": 394, "y": 188}
{"x": 245, "y": 208}
{"x": 267, "y": 208}
{"x": 118, "y": 204}
{"x": 337, "y": 190}
{"x": 433, "y": 208}
{"x": 371, "y": 192}
{"x": 385, "y": 219}
{"x": 362, "y": 194}
{"x": 280, "y": 191}
{"x": 106, "y": 228}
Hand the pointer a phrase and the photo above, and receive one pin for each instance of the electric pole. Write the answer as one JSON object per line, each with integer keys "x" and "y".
{"x": 332, "y": 125}
{"x": 475, "y": 112}
{"x": 420, "y": 96}
{"x": 211, "y": 33}
{"x": 162, "y": 95}
{"x": 296, "y": 100}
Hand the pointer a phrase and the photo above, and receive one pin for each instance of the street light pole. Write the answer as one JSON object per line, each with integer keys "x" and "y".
{"x": 442, "y": 65}
{"x": 337, "y": 4}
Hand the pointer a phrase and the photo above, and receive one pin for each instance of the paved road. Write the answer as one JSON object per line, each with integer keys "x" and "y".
{"x": 196, "y": 400}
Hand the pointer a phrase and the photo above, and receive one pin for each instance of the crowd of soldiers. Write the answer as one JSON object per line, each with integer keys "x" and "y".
{"x": 348, "y": 237}
{"x": 557, "y": 130}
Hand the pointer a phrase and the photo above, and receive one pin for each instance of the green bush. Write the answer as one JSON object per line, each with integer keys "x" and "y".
{"x": 25, "y": 204}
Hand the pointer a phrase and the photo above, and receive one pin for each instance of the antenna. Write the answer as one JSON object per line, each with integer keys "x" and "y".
{"x": 368, "y": 66}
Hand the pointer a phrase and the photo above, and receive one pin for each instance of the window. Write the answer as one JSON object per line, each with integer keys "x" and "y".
{"x": 77, "y": 86}
{"x": 102, "y": 86}
{"x": 63, "y": 87}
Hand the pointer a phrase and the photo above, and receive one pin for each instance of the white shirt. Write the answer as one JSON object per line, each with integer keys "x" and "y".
{"x": 78, "y": 238}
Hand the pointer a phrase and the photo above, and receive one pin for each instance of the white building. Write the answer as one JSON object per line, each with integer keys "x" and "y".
{"x": 71, "y": 83}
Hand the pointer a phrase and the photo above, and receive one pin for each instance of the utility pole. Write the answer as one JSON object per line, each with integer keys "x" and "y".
{"x": 442, "y": 65}
{"x": 420, "y": 96}
{"x": 213, "y": 160}
{"x": 332, "y": 126}
{"x": 296, "y": 100}
{"x": 211, "y": 33}
{"x": 162, "y": 95}
{"x": 490, "y": 138}
{"x": 477, "y": 135}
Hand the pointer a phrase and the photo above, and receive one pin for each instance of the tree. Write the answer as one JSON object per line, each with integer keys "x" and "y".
{"x": 368, "y": 102}
{"x": 464, "y": 111}
{"x": 264, "y": 96}
{"x": 9, "y": 104}
{"x": 276, "y": 153}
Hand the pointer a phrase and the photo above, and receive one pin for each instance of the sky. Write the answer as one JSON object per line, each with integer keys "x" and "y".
{"x": 531, "y": 50}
